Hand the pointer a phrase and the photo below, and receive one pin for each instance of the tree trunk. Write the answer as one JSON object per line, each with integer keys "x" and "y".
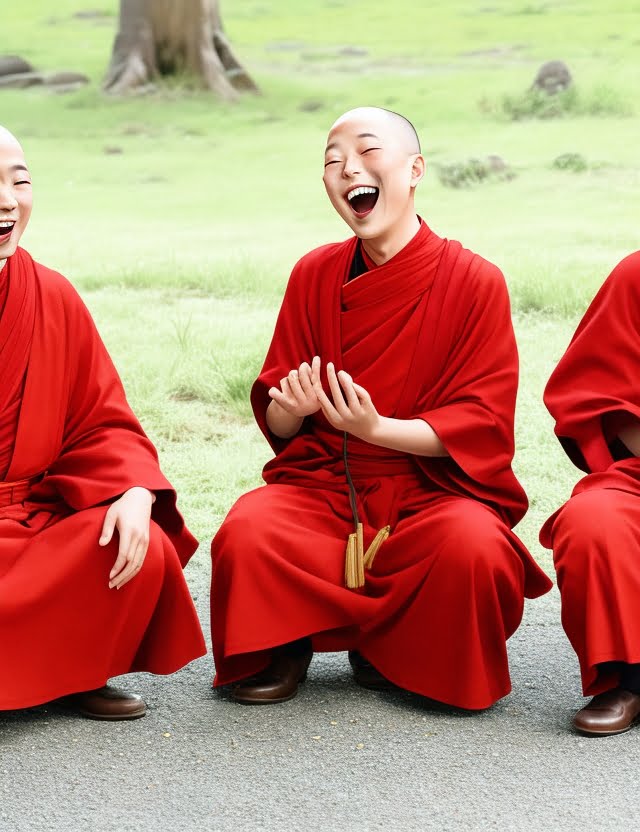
{"x": 167, "y": 37}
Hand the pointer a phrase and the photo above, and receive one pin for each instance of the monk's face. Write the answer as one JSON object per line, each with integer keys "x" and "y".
{"x": 15, "y": 194}
{"x": 371, "y": 170}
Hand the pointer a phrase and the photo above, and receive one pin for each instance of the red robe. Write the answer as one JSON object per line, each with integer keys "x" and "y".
{"x": 72, "y": 445}
{"x": 429, "y": 335}
{"x": 595, "y": 536}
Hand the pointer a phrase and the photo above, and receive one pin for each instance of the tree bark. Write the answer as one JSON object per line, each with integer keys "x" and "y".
{"x": 159, "y": 38}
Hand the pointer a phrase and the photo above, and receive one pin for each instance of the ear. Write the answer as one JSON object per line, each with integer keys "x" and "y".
{"x": 418, "y": 168}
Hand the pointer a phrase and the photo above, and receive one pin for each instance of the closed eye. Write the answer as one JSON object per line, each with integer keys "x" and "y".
{"x": 369, "y": 149}
{"x": 23, "y": 182}
{"x": 332, "y": 162}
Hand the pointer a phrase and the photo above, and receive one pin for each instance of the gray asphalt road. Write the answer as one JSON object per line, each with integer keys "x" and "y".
{"x": 337, "y": 757}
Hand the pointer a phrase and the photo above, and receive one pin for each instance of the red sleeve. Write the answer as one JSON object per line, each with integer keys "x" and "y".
{"x": 104, "y": 449}
{"x": 293, "y": 342}
{"x": 473, "y": 407}
{"x": 594, "y": 389}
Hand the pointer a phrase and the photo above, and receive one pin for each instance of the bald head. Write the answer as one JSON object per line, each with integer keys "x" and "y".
{"x": 7, "y": 139}
{"x": 388, "y": 120}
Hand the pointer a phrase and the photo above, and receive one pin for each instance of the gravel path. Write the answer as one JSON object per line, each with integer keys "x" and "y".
{"x": 336, "y": 757}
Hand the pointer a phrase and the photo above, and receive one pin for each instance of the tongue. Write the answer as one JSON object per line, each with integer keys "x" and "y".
{"x": 364, "y": 202}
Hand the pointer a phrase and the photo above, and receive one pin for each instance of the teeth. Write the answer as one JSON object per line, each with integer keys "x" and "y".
{"x": 359, "y": 191}
{"x": 9, "y": 224}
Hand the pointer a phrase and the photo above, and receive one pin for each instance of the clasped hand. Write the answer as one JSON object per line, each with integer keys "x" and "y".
{"x": 350, "y": 408}
{"x": 131, "y": 516}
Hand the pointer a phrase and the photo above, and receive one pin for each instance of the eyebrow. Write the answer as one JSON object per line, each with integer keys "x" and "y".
{"x": 359, "y": 136}
{"x": 19, "y": 167}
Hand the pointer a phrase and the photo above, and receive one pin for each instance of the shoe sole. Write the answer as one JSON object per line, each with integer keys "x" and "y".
{"x": 277, "y": 701}
{"x": 72, "y": 709}
{"x": 586, "y": 733}
{"x": 264, "y": 701}
{"x": 114, "y": 718}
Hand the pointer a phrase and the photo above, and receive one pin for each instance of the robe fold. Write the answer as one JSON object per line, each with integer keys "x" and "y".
{"x": 595, "y": 536}
{"x": 429, "y": 335}
{"x": 73, "y": 446}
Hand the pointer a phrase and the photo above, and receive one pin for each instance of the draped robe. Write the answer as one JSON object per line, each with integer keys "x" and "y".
{"x": 595, "y": 536}
{"x": 70, "y": 445}
{"x": 429, "y": 335}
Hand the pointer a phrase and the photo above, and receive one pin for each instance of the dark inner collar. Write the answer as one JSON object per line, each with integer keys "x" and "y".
{"x": 358, "y": 264}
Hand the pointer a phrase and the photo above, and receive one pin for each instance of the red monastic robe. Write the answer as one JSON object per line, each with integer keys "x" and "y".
{"x": 429, "y": 335}
{"x": 70, "y": 445}
{"x": 595, "y": 536}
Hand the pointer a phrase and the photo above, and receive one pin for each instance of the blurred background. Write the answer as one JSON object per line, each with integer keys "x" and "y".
{"x": 178, "y": 198}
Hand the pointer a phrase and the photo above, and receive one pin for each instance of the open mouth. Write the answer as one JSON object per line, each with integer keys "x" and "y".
{"x": 5, "y": 230}
{"x": 362, "y": 200}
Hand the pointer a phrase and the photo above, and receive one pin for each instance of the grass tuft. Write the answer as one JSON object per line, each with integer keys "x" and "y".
{"x": 474, "y": 172}
{"x": 601, "y": 101}
{"x": 573, "y": 162}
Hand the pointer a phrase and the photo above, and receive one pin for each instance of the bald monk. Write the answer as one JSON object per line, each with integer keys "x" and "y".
{"x": 90, "y": 585}
{"x": 594, "y": 396}
{"x": 388, "y": 396}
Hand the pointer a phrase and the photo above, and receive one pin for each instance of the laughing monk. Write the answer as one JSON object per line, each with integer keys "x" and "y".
{"x": 90, "y": 586}
{"x": 594, "y": 396}
{"x": 388, "y": 396}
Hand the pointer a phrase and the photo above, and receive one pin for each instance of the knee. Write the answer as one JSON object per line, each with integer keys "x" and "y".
{"x": 586, "y": 520}
{"x": 584, "y": 530}
{"x": 476, "y": 540}
{"x": 238, "y": 536}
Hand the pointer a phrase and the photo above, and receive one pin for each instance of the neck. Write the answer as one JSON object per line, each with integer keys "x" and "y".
{"x": 383, "y": 248}
{"x": 2, "y": 264}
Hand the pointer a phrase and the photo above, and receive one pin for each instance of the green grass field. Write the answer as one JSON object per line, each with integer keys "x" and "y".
{"x": 179, "y": 218}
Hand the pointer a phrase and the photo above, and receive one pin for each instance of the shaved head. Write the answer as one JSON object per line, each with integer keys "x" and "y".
{"x": 400, "y": 125}
{"x": 7, "y": 138}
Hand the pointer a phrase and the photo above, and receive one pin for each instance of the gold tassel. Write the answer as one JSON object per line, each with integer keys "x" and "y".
{"x": 354, "y": 559}
{"x": 375, "y": 544}
{"x": 350, "y": 563}
{"x": 357, "y": 560}
{"x": 360, "y": 553}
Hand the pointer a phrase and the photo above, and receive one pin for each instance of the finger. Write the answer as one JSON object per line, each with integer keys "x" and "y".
{"x": 331, "y": 414}
{"x": 134, "y": 565}
{"x": 346, "y": 382}
{"x": 107, "y": 527}
{"x": 336, "y": 391}
{"x": 128, "y": 555}
{"x": 118, "y": 566}
{"x": 280, "y": 399}
{"x": 123, "y": 554}
{"x": 322, "y": 397}
{"x": 287, "y": 395}
{"x": 327, "y": 408}
{"x": 306, "y": 381}
{"x": 316, "y": 364}
{"x": 363, "y": 395}
{"x": 296, "y": 388}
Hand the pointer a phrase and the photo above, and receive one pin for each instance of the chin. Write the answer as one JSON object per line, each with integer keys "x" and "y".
{"x": 8, "y": 251}
{"x": 360, "y": 229}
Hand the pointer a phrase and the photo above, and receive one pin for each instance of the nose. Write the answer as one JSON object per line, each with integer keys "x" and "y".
{"x": 8, "y": 201}
{"x": 351, "y": 166}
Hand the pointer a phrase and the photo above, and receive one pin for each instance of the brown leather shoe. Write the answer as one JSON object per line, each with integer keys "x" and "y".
{"x": 612, "y": 712}
{"x": 277, "y": 683}
{"x": 109, "y": 703}
{"x": 366, "y": 675}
